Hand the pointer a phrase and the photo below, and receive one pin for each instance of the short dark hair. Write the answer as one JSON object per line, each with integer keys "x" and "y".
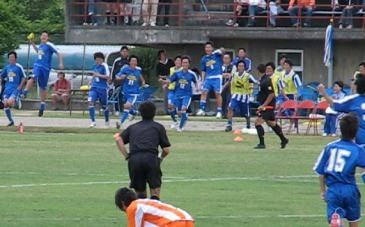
{"x": 185, "y": 57}
{"x": 360, "y": 83}
{"x": 61, "y": 73}
{"x": 349, "y": 125}
{"x": 44, "y": 31}
{"x": 227, "y": 55}
{"x": 132, "y": 56}
{"x": 240, "y": 62}
{"x": 271, "y": 64}
{"x": 209, "y": 43}
{"x": 362, "y": 64}
{"x": 13, "y": 53}
{"x": 160, "y": 52}
{"x": 124, "y": 48}
{"x": 124, "y": 196}
{"x": 281, "y": 56}
{"x": 147, "y": 110}
{"x": 99, "y": 55}
{"x": 289, "y": 62}
{"x": 241, "y": 48}
{"x": 340, "y": 84}
{"x": 178, "y": 56}
{"x": 261, "y": 68}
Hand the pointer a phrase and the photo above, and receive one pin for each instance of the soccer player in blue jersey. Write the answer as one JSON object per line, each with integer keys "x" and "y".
{"x": 42, "y": 67}
{"x": 14, "y": 76}
{"x": 211, "y": 65}
{"x": 171, "y": 92}
{"x": 336, "y": 166}
{"x": 183, "y": 93}
{"x": 132, "y": 78}
{"x": 99, "y": 88}
{"x": 353, "y": 103}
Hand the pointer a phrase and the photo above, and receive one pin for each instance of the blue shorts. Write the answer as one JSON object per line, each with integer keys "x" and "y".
{"x": 10, "y": 93}
{"x": 182, "y": 101}
{"x": 130, "y": 98}
{"x": 171, "y": 97}
{"x": 41, "y": 75}
{"x": 345, "y": 200}
{"x": 240, "y": 103}
{"x": 100, "y": 94}
{"x": 280, "y": 99}
{"x": 214, "y": 84}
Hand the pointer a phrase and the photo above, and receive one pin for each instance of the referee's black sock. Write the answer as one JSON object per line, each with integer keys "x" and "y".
{"x": 278, "y": 132}
{"x": 260, "y": 133}
{"x": 155, "y": 197}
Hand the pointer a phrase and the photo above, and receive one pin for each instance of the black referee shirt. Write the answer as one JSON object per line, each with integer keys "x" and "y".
{"x": 145, "y": 136}
{"x": 265, "y": 89}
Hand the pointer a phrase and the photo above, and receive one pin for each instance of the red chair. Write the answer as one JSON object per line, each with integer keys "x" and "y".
{"x": 315, "y": 117}
{"x": 304, "y": 110}
{"x": 287, "y": 105}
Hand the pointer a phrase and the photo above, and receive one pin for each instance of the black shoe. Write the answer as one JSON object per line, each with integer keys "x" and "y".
{"x": 284, "y": 143}
{"x": 118, "y": 125}
{"x": 40, "y": 113}
{"x": 11, "y": 123}
{"x": 260, "y": 146}
{"x": 248, "y": 126}
{"x": 228, "y": 128}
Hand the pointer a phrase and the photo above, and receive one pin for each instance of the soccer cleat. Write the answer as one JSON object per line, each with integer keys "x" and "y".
{"x": 324, "y": 134}
{"x": 335, "y": 220}
{"x": 219, "y": 115}
{"x": 118, "y": 125}
{"x": 131, "y": 116}
{"x": 11, "y": 123}
{"x": 106, "y": 125}
{"x": 174, "y": 125}
{"x": 116, "y": 113}
{"x": 180, "y": 129}
{"x": 40, "y": 113}
{"x": 260, "y": 146}
{"x": 284, "y": 143}
{"x": 200, "y": 112}
{"x": 333, "y": 135}
{"x": 92, "y": 124}
{"x": 228, "y": 128}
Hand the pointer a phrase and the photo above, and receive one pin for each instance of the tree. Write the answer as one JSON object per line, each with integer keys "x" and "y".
{"x": 11, "y": 28}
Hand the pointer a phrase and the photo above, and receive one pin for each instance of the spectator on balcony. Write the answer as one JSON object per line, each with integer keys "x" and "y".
{"x": 255, "y": 7}
{"x": 61, "y": 91}
{"x": 348, "y": 12}
{"x": 306, "y": 6}
{"x": 276, "y": 8}
{"x": 125, "y": 8}
{"x": 91, "y": 13}
{"x": 165, "y": 4}
{"x": 109, "y": 5}
{"x": 242, "y": 57}
{"x": 149, "y": 12}
{"x": 241, "y": 10}
{"x": 163, "y": 72}
{"x": 136, "y": 11}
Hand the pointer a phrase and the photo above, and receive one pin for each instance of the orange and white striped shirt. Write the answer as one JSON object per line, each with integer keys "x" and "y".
{"x": 153, "y": 213}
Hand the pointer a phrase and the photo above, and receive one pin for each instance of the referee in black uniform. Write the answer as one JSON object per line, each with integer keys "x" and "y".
{"x": 144, "y": 160}
{"x": 266, "y": 98}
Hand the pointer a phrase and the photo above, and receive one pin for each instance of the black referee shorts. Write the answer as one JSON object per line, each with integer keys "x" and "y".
{"x": 267, "y": 115}
{"x": 144, "y": 167}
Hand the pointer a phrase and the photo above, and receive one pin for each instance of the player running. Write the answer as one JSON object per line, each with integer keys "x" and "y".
{"x": 14, "y": 76}
{"x": 131, "y": 75}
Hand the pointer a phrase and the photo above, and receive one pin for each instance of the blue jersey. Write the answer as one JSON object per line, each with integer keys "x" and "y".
{"x": 247, "y": 61}
{"x": 13, "y": 75}
{"x": 98, "y": 82}
{"x": 183, "y": 82}
{"x": 338, "y": 162}
{"x": 354, "y": 103}
{"x": 45, "y": 52}
{"x": 131, "y": 83}
{"x": 212, "y": 65}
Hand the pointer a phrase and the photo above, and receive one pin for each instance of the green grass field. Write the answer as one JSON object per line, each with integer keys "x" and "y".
{"x": 69, "y": 179}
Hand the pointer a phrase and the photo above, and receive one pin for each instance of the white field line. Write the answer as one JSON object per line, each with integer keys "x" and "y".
{"x": 279, "y": 178}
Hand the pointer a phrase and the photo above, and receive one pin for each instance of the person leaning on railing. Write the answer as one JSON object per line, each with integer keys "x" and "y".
{"x": 241, "y": 10}
{"x": 305, "y": 5}
{"x": 348, "y": 12}
{"x": 255, "y": 7}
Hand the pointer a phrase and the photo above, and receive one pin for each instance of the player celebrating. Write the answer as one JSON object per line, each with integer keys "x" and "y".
{"x": 132, "y": 76}
{"x": 14, "y": 76}
{"x": 42, "y": 67}
{"x": 99, "y": 88}
{"x": 266, "y": 98}
{"x": 241, "y": 88}
{"x": 183, "y": 93}
{"x": 171, "y": 92}
{"x": 336, "y": 166}
{"x": 150, "y": 212}
{"x": 211, "y": 65}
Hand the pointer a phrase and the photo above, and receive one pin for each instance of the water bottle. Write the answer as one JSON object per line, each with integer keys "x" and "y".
{"x": 20, "y": 128}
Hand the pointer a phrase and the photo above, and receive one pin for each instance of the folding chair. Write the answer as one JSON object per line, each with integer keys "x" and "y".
{"x": 146, "y": 94}
{"x": 114, "y": 98}
{"x": 304, "y": 110}
{"x": 287, "y": 105}
{"x": 316, "y": 116}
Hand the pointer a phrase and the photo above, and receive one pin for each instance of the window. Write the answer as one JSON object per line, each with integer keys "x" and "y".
{"x": 295, "y": 55}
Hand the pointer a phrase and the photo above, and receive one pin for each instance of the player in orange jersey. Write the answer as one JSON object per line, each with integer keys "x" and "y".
{"x": 150, "y": 212}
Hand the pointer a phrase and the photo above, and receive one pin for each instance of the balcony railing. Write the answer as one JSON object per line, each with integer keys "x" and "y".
{"x": 210, "y": 13}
